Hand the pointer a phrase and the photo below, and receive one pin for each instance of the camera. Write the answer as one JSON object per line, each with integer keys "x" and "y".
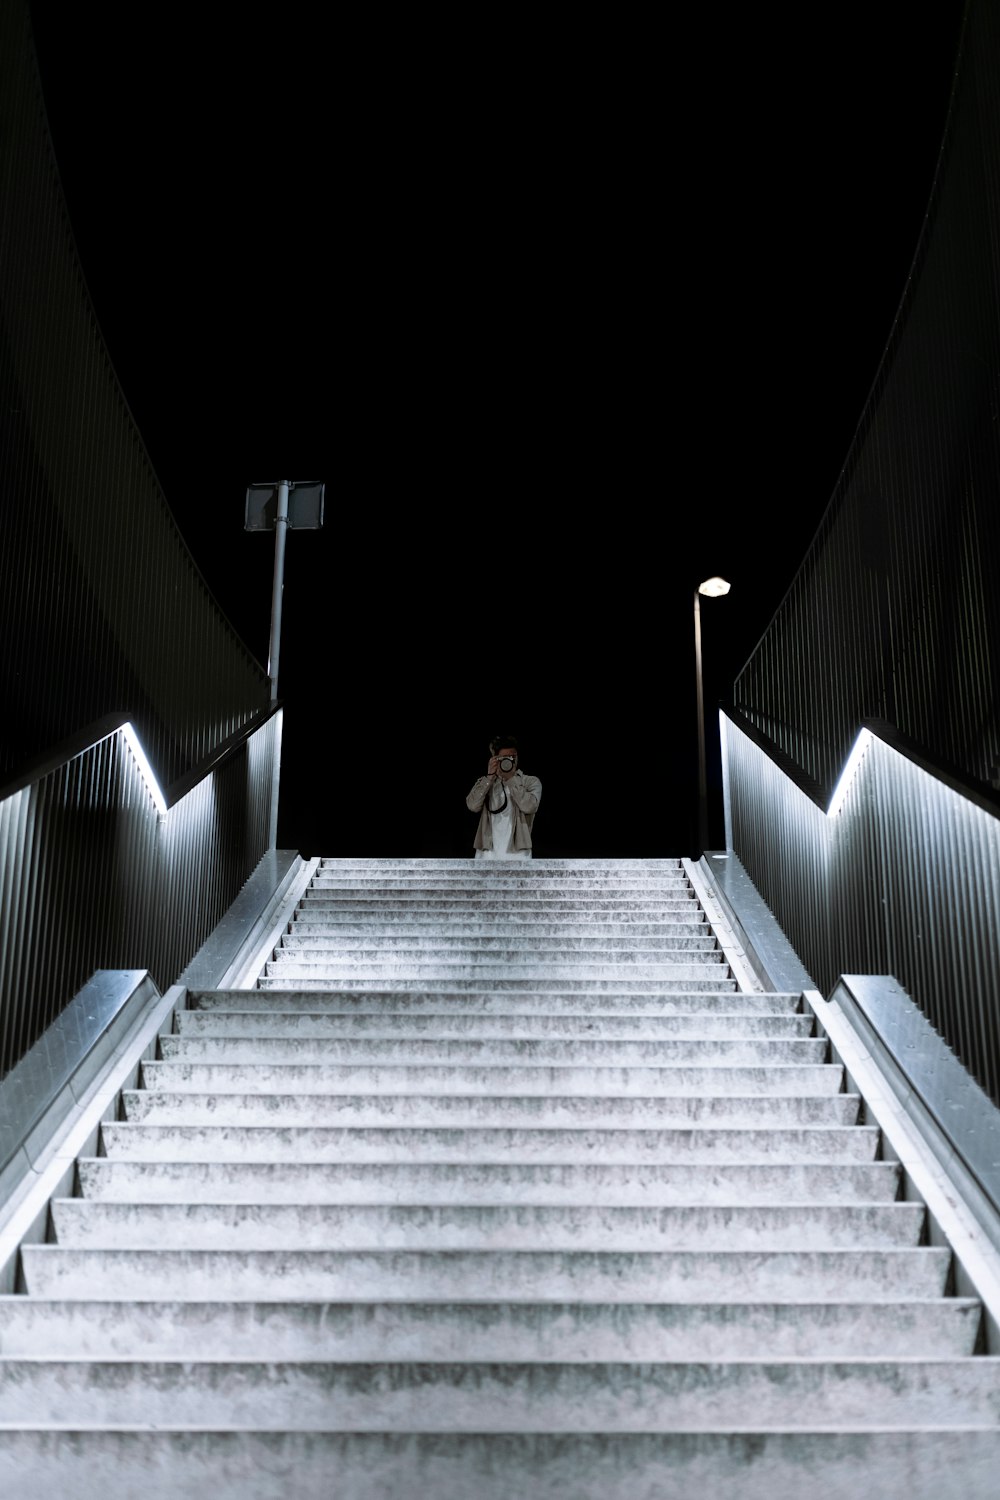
{"x": 507, "y": 763}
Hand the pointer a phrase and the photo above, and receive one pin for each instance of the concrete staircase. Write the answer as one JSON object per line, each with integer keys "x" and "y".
{"x": 499, "y": 1182}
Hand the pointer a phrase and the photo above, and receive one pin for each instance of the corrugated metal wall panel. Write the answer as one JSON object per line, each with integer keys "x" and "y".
{"x": 894, "y": 612}
{"x": 102, "y": 607}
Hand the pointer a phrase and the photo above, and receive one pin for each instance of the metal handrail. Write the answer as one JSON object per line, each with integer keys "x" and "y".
{"x": 950, "y": 776}
{"x": 222, "y": 752}
{"x": 902, "y": 881}
{"x": 95, "y": 874}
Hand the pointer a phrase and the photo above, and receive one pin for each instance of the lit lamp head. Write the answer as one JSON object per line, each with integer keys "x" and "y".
{"x": 713, "y": 588}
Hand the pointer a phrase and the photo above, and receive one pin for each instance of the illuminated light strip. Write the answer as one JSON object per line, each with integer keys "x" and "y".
{"x": 145, "y": 768}
{"x": 861, "y": 744}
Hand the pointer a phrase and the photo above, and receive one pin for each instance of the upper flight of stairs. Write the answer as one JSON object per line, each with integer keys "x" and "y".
{"x": 496, "y": 1183}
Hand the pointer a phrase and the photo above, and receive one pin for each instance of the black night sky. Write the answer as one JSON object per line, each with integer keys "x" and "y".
{"x": 567, "y": 315}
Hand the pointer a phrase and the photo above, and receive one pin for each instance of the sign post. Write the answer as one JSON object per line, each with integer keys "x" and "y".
{"x": 276, "y": 507}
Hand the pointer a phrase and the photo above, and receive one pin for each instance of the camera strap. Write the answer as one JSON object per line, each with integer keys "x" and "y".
{"x": 492, "y": 810}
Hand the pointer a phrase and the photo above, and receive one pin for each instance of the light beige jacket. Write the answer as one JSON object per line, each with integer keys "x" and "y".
{"x": 523, "y": 793}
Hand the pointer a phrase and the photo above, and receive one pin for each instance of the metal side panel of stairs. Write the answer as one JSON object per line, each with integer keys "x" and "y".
{"x": 499, "y": 1182}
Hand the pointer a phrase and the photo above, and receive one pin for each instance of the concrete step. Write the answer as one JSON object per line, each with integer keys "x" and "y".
{"x": 689, "y": 1396}
{"x": 526, "y": 896}
{"x": 664, "y": 946}
{"x": 503, "y": 983}
{"x": 146, "y": 1177}
{"x": 892, "y": 1463}
{"x": 438, "y": 1026}
{"x": 691, "y": 922}
{"x": 667, "y": 1081}
{"x": 375, "y": 1052}
{"x": 291, "y": 1330}
{"x": 468, "y": 864}
{"x": 352, "y": 1226}
{"x": 514, "y": 965}
{"x": 494, "y": 1026}
{"x": 159, "y": 1105}
{"x": 488, "y": 910}
{"x": 503, "y": 880}
{"x": 485, "y": 952}
{"x": 548, "y": 905}
{"x": 492, "y": 1079}
{"x": 489, "y": 1002}
{"x": 589, "y": 870}
{"x": 507, "y": 876}
{"x": 538, "y": 866}
{"x": 690, "y": 1144}
{"x": 599, "y": 1276}
{"x": 459, "y": 863}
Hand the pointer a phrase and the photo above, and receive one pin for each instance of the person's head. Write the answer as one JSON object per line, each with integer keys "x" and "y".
{"x": 504, "y": 747}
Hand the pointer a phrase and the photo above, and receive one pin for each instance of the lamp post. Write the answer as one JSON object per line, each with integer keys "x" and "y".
{"x": 712, "y": 588}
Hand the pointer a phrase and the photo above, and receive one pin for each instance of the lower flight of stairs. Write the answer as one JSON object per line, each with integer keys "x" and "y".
{"x": 495, "y": 1184}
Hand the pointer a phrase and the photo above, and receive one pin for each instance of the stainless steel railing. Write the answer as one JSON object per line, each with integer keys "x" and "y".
{"x": 98, "y": 870}
{"x": 904, "y": 879}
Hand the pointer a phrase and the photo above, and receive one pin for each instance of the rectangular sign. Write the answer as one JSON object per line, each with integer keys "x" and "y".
{"x": 305, "y": 506}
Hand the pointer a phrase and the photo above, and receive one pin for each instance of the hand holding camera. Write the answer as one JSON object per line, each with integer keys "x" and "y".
{"x": 503, "y": 766}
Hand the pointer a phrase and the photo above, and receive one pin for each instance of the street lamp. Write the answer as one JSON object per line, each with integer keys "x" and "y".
{"x": 712, "y": 588}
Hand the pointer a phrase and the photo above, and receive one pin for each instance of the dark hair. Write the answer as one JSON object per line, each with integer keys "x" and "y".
{"x": 502, "y": 742}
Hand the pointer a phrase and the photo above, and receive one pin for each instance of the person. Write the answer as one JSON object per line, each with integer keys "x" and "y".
{"x": 506, "y": 800}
